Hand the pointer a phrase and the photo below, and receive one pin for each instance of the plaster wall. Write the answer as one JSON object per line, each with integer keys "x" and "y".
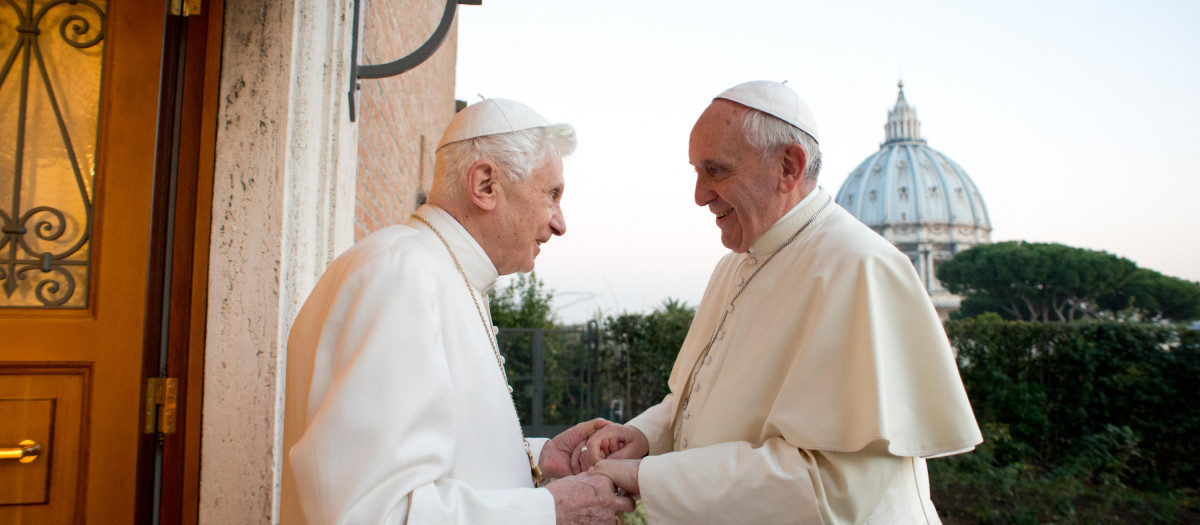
{"x": 283, "y": 205}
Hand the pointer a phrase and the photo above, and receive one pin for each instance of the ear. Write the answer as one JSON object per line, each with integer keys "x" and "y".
{"x": 793, "y": 161}
{"x": 482, "y": 184}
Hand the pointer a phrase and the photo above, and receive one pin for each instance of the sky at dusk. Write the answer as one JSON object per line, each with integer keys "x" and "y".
{"x": 1078, "y": 121}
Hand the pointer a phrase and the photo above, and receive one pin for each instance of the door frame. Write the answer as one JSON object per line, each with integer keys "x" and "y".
{"x": 176, "y": 298}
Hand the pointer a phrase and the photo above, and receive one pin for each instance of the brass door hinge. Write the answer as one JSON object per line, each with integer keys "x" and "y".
{"x": 162, "y": 395}
{"x": 185, "y": 7}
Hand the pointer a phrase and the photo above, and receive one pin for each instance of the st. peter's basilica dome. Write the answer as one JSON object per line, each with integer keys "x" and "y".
{"x": 917, "y": 198}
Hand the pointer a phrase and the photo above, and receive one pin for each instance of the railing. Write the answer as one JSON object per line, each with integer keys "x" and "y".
{"x": 553, "y": 375}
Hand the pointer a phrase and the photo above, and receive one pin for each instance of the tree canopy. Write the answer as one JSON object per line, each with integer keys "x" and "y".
{"x": 638, "y": 352}
{"x": 1158, "y": 295}
{"x": 1053, "y": 282}
{"x": 524, "y": 303}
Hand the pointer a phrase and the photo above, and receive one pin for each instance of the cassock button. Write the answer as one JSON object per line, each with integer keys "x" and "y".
{"x": 687, "y": 415}
{"x": 720, "y": 336}
{"x": 495, "y": 330}
{"x": 707, "y": 359}
{"x": 752, "y": 260}
{"x": 502, "y": 360}
{"x": 696, "y": 387}
{"x": 683, "y": 444}
{"x": 510, "y": 389}
{"x": 741, "y": 281}
{"x": 729, "y": 308}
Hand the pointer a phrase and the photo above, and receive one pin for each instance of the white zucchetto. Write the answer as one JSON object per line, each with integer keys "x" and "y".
{"x": 491, "y": 117}
{"x": 777, "y": 100}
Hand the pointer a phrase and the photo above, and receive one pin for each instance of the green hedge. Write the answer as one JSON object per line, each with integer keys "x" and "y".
{"x": 1115, "y": 402}
{"x": 1084, "y": 422}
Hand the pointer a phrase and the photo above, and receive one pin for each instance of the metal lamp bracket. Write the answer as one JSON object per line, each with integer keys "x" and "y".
{"x": 395, "y": 67}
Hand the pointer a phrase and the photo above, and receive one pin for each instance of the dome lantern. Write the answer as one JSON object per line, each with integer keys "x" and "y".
{"x": 902, "y": 124}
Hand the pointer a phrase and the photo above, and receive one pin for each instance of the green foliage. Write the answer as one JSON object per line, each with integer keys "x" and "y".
{"x": 974, "y": 305}
{"x": 637, "y": 517}
{"x": 637, "y": 354}
{"x": 980, "y": 487}
{"x": 1054, "y": 384}
{"x": 1089, "y": 422}
{"x": 524, "y": 303}
{"x": 1034, "y": 281}
{"x": 1154, "y": 295}
{"x": 566, "y": 368}
{"x": 524, "y": 313}
{"x": 1053, "y": 282}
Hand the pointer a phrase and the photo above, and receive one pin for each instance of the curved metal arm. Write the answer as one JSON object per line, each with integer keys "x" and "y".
{"x": 396, "y": 67}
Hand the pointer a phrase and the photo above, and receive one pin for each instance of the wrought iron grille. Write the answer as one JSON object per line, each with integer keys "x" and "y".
{"x": 52, "y": 55}
{"x": 553, "y": 375}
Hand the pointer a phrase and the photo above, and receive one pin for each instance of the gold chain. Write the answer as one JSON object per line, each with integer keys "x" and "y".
{"x": 688, "y": 387}
{"x": 534, "y": 470}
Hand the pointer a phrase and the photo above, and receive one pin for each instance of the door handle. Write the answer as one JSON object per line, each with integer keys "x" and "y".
{"x": 25, "y": 451}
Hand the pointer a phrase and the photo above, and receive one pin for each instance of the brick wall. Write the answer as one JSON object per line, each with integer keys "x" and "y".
{"x": 400, "y": 118}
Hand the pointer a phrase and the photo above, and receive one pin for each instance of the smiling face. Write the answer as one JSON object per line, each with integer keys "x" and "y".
{"x": 527, "y": 214}
{"x": 733, "y": 179}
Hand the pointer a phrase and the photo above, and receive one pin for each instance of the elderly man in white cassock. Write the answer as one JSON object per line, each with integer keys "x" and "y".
{"x": 398, "y": 408}
{"x": 816, "y": 377}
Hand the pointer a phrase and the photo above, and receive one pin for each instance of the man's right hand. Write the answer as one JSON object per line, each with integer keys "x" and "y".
{"x": 611, "y": 441}
{"x": 587, "y": 499}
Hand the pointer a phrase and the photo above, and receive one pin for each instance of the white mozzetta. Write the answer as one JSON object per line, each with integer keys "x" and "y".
{"x": 830, "y": 383}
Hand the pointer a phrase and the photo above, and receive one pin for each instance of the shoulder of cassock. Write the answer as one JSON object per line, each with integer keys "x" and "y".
{"x": 869, "y": 356}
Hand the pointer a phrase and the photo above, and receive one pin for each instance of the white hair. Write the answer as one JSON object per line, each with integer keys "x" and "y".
{"x": 769, "y": 133}
{"x": 516, "y": 153}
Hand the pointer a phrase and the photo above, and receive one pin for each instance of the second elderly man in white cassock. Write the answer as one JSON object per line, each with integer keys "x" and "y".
{"x": 816, "y": 377}
{"x": 398, "y": 408}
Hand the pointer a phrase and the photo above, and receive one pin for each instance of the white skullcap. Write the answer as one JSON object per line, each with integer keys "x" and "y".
{"x": 774, "y": 99}
{"x": 490, "y": 117}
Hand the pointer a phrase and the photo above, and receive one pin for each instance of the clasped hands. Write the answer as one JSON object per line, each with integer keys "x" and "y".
{"x": 595, "y": 464}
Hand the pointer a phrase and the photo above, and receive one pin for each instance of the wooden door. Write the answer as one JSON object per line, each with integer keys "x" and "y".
{"x": 84, "y": 159}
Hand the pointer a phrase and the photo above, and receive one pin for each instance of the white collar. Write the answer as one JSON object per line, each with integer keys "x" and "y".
{"x": 475, "y": 262}
{"x": 812, "y": 196}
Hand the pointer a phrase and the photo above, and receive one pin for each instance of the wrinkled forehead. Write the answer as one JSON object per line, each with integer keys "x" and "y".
{"x": 549, "y": 173}
{"x": 721, "y": 112}
{"x": 718, "y": 130}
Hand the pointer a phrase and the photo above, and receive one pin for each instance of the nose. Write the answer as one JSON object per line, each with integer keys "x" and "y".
{"x": 704, "y": 194}
{"x": 558, "y": 222}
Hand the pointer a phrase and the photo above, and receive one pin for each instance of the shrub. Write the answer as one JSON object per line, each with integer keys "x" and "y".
{"x": 1090, "y": 422}
{"x": 1062, "y": 389}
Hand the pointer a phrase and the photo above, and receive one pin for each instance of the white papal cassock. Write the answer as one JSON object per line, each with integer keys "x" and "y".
{"x": 397, "y": 411}
{"x": 829, "y": 383}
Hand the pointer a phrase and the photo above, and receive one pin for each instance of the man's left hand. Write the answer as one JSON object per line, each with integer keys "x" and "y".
{"x": 611, "y": 442}
{"x": 555, "y": 460}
